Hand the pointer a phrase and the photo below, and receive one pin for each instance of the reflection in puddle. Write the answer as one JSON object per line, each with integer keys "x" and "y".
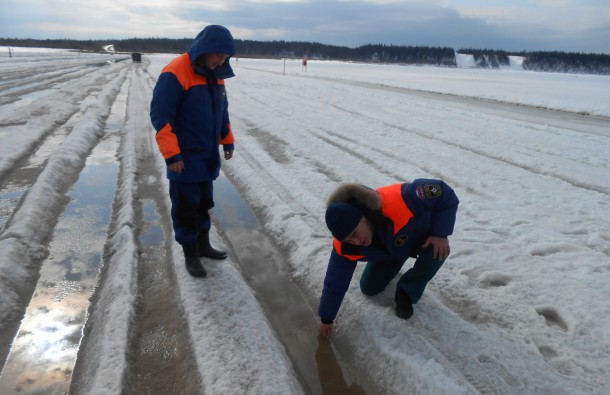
{"x": 152, "y": 234}
{"x": 43, "y": 353}
{"x": 293, "y": 320}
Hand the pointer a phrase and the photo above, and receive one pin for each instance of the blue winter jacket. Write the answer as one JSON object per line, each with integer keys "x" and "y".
{"x": 189, "y": 108}
{"x": 410, "y": 212}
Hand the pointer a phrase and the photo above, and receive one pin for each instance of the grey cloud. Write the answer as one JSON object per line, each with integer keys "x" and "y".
{"x": 354, "y": 24}
{"x": 325, "y": 21}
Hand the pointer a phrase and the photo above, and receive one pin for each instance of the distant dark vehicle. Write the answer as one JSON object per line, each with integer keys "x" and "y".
{"x": 136, "y": 57}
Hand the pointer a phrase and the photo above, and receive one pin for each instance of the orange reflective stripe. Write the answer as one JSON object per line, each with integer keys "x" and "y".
{"x": 337, "y": 246}
{"x": 168, "y": 142}
{"x": 183, "y": 70}
{"x": 394, "y": 207}
{"x": 228, "y": 139}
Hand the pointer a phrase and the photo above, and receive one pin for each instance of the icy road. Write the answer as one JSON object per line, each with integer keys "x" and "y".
{"x": 95, "y": 298}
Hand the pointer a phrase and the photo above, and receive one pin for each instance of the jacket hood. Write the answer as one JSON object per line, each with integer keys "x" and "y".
{"x": 357, "y": 195}
{"x": 214, "y": 39}
{"x": 366, "y": 199}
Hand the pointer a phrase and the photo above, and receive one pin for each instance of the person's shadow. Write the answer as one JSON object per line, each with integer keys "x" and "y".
{"x": 330, "y": 373}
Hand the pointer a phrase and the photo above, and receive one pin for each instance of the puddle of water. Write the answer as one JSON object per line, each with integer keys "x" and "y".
{"x": 291, "y": 317}
{"x": 11, "y": 195}
{"x": 152, "y": 234}
{"x": 162, "y": 358}
{"x": 23, "y": 178}
{"x": 116, "y": 119}
{"x": 44, "y": 351}
{"x": 21, "y": 88}
{"x": 23, "y": 100}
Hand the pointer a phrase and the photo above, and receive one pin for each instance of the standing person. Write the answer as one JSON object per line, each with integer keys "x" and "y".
{"x": 385, "y": 227}
{"x": 189, "y": 111}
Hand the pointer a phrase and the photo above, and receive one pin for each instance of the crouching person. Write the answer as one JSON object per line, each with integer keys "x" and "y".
{"x": 385, "y": 227}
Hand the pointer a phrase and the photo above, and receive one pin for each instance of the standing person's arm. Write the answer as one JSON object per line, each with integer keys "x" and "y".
{"x": 338, "y": 276}
{"x": 163, "y": 110}
{"x": 226, "y": 133}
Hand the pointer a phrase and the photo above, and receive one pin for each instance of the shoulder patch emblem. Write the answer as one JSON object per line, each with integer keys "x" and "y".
{"x": 401, "y": 240}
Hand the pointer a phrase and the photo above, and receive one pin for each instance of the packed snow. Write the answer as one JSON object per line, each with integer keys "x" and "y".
{"x": 519, "y": 307}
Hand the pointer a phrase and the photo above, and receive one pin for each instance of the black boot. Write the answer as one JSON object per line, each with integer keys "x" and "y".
{"x": 206, "y": 250}
{"x": 193, "y": 264}
{"x": 404, "y": 307}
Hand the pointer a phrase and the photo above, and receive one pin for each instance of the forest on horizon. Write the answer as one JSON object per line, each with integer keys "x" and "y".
{"x": 553, "y": 61}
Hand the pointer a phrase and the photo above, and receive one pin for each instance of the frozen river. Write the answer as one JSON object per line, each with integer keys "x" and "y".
{"x": 94, "y": 291}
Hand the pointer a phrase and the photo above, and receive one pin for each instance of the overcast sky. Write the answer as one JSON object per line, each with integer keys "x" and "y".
{"x": 513, "y": 25}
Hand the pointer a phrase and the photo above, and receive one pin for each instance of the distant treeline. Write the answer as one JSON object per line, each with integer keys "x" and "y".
{"x": 420, "y": 55}
{"x": 366, "y": 53}
{"x": 561, "y": 61}
{"x": 554, "y": 61}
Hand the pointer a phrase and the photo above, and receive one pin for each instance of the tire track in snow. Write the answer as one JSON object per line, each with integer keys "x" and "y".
{"x": 49, "y": 68}
{"x": 588, "y": 125}
{"x": 283, "y": 193}
{"x": 101, "y": 357}
{"x": 12, "y": 92}
{"x": 22, "y": 174}
{"x": 24, "y": 240}
{"x": 137, "y": 329}
{"x": 163, "y": 359}
{"x": 42, "y": 117}
{"x": 271, "y": 141}
{"x": 489, "y": 373}
{"x": 554, "y": 116}
{"x": 378, "y": 159}
{"x": 386, "y": 154}
{"x": 304, "y": 102}
{"x": 67, "y": 280}
{"x": 382, "y": 155}
{"x": 422, "y": 134}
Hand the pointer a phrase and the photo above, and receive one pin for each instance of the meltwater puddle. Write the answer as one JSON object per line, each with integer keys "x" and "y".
{"x": 25, "y": 175}
{"x": 44, "y": 351}
{"x": 152, "y": 234}
{"x": 313, "y": 358}
{"x": 162, "y": 360}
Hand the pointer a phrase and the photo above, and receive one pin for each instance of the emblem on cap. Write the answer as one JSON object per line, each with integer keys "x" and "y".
{"x": 433, "y": 191}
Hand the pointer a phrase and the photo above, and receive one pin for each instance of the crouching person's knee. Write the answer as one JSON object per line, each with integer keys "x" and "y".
{"x": 369, "y": 289}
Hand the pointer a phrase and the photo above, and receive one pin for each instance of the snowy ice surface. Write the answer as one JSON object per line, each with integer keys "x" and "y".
{"x": 521, "y": 305}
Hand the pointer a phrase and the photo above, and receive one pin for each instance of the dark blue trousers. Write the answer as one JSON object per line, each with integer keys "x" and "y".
{"x": 377, "y": 275}
{"x": 191, "y": 202}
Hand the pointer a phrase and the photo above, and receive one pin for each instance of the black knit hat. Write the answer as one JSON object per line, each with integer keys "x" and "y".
{"x": 342, "y": 219}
